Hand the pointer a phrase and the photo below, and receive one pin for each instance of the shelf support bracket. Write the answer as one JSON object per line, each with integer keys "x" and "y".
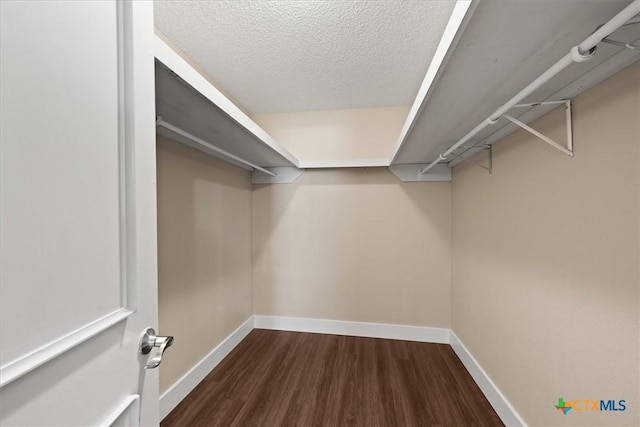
{"x": 281, "y": 175}
{"x": 568, "y": 150}
{"x": 488, "y": 167}
{"x": 621, "y": 44}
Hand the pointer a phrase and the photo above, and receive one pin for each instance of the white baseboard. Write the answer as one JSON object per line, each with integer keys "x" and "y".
{"x": 357, "y": 329}
{"x": 501, "y": 405}
{"x": 178, "y": 391}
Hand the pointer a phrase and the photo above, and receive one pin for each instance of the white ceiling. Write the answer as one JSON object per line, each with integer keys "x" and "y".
{"x": 283, "y": 56}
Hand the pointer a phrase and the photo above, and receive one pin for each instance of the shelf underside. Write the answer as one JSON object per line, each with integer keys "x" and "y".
{"x": 182, "y": 106}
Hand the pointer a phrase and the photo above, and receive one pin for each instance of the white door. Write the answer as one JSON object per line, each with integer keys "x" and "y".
{"x": 77, "y": 213}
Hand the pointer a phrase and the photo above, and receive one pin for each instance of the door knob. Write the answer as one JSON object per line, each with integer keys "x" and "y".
{"x": 149, "y": 341}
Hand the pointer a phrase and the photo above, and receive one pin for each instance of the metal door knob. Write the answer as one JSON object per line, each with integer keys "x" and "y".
{"x": 149, "y": 341}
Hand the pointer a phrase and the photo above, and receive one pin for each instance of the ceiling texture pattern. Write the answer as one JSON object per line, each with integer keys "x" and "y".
{"x": 284, "y": 56}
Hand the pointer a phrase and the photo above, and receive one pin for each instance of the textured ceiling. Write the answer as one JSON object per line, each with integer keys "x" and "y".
{"x": 283, "y": 56}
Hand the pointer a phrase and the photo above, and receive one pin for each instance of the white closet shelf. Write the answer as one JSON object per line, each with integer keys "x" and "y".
{"x": 193, "y": 106}
{"x": 455, "y": 116}
{"x": 334, "y": 164}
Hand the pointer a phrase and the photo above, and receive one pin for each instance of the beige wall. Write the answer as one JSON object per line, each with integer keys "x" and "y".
{"x": 352, "y": 134}
{"x": 204, "y": 239}
{"x": 353, "y": 244}
{"x": 545, "y": 257}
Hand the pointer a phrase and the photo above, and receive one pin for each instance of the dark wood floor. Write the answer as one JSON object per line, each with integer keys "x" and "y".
{"x": 295, "y": 379}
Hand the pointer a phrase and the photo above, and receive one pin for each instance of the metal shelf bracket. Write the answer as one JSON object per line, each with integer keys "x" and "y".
{"x": 488, "y": 167}
{"x": 621, "y": 44}
{"x": 568, "y": 150}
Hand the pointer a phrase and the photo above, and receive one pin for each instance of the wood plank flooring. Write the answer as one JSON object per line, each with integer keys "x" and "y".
{"x": 276, "y": 378}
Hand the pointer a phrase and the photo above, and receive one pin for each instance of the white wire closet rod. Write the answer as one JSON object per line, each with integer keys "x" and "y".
{"x": 582, "y": 52}
{"x": 160, "y": 122}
